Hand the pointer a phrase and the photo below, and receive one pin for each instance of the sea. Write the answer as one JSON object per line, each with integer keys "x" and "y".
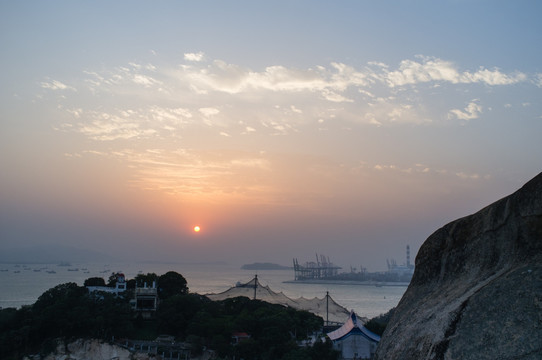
{"x": 22, "y": 284}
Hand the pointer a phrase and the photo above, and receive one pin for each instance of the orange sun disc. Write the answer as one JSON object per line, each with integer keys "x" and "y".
{"x": 197, "y": 228}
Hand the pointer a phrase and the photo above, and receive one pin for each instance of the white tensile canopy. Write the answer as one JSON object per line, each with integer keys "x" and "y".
{"x": 325, "y": 307}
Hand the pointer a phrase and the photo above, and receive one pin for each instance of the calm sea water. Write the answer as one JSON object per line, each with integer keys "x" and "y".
{"x": 22, "y": 284}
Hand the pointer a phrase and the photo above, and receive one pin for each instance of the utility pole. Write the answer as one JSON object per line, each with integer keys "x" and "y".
{"x": 255, "y": 285}
{"x": 327, "y": 307}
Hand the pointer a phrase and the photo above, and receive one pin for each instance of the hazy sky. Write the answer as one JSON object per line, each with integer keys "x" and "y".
{"x": 281, "y": 128}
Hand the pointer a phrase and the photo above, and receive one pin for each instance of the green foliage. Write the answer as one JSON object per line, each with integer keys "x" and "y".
{"x": 65, "y": 311}
{"x": 131, "y": 284}
{"x": 378, "y": 324}
{"x": 146, "y": 279}
{"x": 323, "y": 351}
{"x": 112, "y": 280}
{"x": 171, "y": 284}
{"x": 68, "y": 311}
{"x": 94, "y": 281}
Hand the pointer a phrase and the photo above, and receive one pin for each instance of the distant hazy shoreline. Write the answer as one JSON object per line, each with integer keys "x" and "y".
{"x": 264, "y": 266}
{"x": 348, "y": 282}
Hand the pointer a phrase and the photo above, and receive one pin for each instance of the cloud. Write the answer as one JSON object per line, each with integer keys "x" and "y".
{"x": 296, "y": 110}
{"x": 194, "y": 56}
{"x": 75, "y": 112}
{"x": 438, "y": 70}
{"x": 175, "y": 115}
{"x": 106, "y": 127}
{"x": 207, "y": 175}
{"x": 466, "y": 176}
{"x": 129, "y": 124}
{"x": 56, "y": 85}
{"x": 472, "y": 111}
{"x": 334, "y": 97}
{"x": 229, "y": 78}
{"x": 426, "y": 170}
{"x": 178, "y": 96}
{"x": 146, "y": 81}
{"x": 209, "y": 111}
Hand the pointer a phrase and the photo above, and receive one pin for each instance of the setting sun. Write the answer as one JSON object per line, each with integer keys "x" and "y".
{"x": 197, "y": 228}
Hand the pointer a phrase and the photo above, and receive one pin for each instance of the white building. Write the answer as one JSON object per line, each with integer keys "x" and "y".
{"x": 120, "y": 286}
{"x": 146, "y": 300}
{"x": 354, "y": 340}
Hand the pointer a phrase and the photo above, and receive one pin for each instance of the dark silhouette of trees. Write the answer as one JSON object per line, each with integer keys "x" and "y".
{"x": 146, "y": 279}
{"x": 378, "y": 324}
{"x": 94, "y": 281}
{"x": 65, "y": 311}
{"x": 171, "y": 284}
{"x": 112, "y": 280}
{"x": 68, "y": 311}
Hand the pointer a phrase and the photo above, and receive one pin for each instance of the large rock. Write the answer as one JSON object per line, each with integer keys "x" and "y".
{"x": 476, "y": 292}
{"x": 92, "y": 349}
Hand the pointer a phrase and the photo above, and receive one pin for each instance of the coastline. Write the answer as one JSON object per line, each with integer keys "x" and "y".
{"x": 349, "y": 282}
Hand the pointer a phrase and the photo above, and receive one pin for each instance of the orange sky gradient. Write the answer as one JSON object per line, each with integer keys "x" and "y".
{"x": 352, "y": 130}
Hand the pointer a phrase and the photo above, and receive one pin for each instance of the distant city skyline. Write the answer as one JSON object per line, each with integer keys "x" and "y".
{"x": 281, "y": 130}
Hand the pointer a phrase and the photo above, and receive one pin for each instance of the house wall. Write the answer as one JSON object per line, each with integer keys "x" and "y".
{"x": 355, "y": 347}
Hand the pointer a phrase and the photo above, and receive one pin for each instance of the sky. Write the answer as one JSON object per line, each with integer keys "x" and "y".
{"x": 283, "y": 129}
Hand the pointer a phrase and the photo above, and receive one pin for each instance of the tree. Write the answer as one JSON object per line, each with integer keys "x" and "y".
{"x": 323, "y": 350}
{"x": 112, "y": 281}
{"x": 131, "y": 284}
{"x": 94, "y": 281}
{"x": 148, "y": 279}
{"x": 171, "y": 284}
{"x": 378, "y": 324}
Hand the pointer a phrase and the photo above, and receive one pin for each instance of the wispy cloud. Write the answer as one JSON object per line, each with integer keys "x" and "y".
{"x": 427, "y": 170}
{"x": 194, "y": 56}
{"x": 219, "y": 76}
{"x": 472, "y": 111}
{"x": 107, "y": 127}
{"x": 56, "y": 85}
{"x": 437, "y": 70}
{"x": 129, "y": 124}
{"x": 277, "y": 99}
{"x": 203, "y": 174}
{"x": 145, "y": 80}
{"x": 209, "y": 111}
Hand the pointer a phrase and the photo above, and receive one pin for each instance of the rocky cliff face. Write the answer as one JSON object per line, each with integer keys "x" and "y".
{"x": 477, "y": 289}
{"x": 92, "y": 350}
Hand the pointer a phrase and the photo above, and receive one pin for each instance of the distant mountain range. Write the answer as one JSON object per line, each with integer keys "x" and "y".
{"x": 48, "y": 254}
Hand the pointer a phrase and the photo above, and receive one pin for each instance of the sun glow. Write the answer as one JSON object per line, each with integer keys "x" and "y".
{"x": 197, "y": 228}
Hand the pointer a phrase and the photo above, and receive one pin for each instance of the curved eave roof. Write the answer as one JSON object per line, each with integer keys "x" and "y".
{"x": 352, "y": 327}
